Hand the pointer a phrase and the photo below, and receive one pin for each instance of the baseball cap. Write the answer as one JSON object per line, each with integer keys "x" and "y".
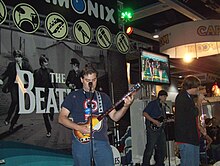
{"x": 162, "y": 93}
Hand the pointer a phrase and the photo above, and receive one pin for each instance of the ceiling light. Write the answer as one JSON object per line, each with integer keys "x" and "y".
{"x": 187, "y": 58}
{"x": 156, "y": 36}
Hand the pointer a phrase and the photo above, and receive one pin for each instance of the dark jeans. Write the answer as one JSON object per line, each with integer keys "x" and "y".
{"x": 155, "y": 140}
{"x": 14, "y": 107}
{"x": 102, "y": 153}
{"x": 189, "y": 154}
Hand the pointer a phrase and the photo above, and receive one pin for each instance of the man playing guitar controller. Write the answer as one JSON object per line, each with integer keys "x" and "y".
{"x": 87, "y": 146}
{"x": 155, "y": 113}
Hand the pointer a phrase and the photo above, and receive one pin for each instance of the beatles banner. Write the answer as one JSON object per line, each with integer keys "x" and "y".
{"x": 30, "y": 95}
{"x": 52, "y": 33}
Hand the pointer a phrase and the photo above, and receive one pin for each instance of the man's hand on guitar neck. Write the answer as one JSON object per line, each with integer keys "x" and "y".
{"x": 128, "y": 101}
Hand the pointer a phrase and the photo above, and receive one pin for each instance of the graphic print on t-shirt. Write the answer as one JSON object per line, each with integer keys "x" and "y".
{"x": 94, "y": 105}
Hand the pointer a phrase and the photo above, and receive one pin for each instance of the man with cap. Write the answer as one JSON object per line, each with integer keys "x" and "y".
{"x": 73, "y": 79}
{"x": 155, "y": 113}
{"x": 11, "y": 85}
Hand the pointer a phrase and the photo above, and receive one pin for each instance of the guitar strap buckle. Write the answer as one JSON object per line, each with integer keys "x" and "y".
{"x": 99, "y": 100}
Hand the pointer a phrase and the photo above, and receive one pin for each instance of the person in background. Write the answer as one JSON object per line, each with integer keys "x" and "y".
{"x": 78, "y": 103}
{"x": 205, "y": 142}
{"x": 73, "y": 79}
{"x": 42, "y": 78}
{"x": 155, "y": 113}
{"x": 213, "y": 130}
{"x": 187, "y": 125}
{"x": 12, "y": 85}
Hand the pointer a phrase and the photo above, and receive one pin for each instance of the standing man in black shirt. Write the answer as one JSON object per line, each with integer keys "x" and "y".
{"x": 73, "y": 79}
{"x": 187, "y": 128}
{"x": 155, "y": 113}
{"x": 42, "y": 78}
{"x": 11, "y": 73}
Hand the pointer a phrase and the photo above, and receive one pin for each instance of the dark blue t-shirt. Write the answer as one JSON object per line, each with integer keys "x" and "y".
{"x": 77, "y": 102}
{"x": 154, "y": 109}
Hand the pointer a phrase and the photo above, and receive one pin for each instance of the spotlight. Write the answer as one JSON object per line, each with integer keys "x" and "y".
{"x": 129, "y": 30}
{"x": 127, "y": 14}
{"x": 187, "y": 58}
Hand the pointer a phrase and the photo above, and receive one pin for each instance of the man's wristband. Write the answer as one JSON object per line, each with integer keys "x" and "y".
{"x": 126, "y": 106}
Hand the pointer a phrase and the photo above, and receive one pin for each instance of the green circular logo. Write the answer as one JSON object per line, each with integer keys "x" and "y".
{"x": 3, "y": 12}
{"x": 82, "y": 32}
{"x": 26, "y": 18}
{"x": 122, "y": 43}
{"x": 56, "y": 26}
{"x": 103, "y": 37}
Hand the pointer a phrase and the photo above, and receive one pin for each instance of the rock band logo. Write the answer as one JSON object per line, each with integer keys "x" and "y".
{"x": 34, "y": 94}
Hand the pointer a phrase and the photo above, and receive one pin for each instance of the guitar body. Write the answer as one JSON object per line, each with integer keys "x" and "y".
{"x": 162, "y": 121}
{"x": 155, "y": 127}
{"x": 96, "y": 126}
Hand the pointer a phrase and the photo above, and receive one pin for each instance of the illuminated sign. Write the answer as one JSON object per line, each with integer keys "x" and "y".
{"x": 93, "y": 8}
{"x": 57, "y": 15}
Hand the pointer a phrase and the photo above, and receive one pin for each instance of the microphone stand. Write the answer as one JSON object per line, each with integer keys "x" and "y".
{"x": 91, "y": 138}
{"x": 167, "y": 135}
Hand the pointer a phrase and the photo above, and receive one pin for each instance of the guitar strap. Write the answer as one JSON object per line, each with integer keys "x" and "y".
{"x": 99, "y": 100}
{"x": 162, "y": 109}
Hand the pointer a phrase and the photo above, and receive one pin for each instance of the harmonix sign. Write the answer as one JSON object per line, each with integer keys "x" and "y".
{"x": 57, "y": 15}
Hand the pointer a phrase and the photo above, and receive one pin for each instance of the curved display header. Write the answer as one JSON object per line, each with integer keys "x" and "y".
{"x": 190, "y": 32}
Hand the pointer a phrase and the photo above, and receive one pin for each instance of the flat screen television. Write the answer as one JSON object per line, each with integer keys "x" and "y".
{"x": 155, "y": 67}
